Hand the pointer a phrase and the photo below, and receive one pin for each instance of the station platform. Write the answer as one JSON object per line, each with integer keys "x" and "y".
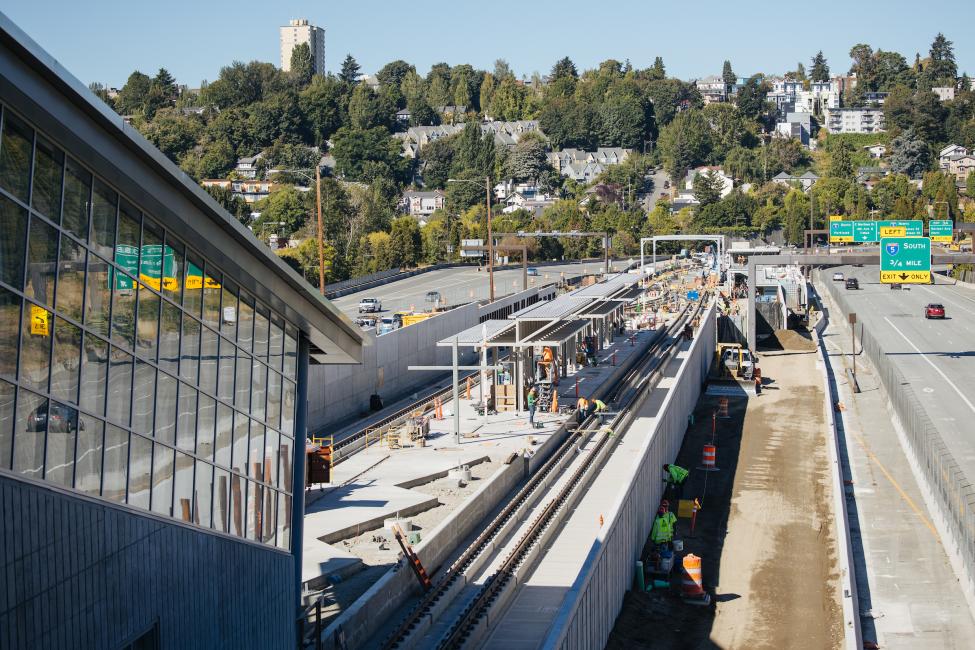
{"x": 380, "y": 483}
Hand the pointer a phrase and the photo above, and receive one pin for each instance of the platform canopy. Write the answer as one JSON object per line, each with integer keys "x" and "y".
{"x": 497, "y": 332}
{"x": 561, "y": 307}
{"x": 557, "y": 335}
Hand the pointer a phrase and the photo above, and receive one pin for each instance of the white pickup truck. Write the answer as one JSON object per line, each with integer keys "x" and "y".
{"x": 370, "y": 306}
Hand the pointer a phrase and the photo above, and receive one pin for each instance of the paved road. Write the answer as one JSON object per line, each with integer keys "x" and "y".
{"x": 460, "y": 285}
{"x": 937, "y": 357}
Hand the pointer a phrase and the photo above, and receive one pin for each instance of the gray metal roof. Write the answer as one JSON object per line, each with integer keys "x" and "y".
{"x": 601, "y": 309}
{"x": 473, "y": 336}
{"x": 116, "y": 150}
{"x": 561, "y": 307}
{"x": 559, "y": 334}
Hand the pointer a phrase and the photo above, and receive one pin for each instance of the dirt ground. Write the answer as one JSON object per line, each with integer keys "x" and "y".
{"x": 765, "y": 529}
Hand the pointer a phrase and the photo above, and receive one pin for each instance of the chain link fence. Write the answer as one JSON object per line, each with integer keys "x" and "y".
{"x": 953, "y": 490}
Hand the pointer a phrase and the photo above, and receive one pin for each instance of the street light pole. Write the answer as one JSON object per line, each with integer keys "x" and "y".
{"x": 487, "y": 189}
{"x": 321, "y": 242}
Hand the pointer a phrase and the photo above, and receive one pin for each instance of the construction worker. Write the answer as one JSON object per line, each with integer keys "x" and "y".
{"x": 599, "y": 407}
{"x": 582, "y": 410}
{"x": 532, "y": 400}
{"x": 676, "y": 475}
{"x": 662, "y": 533}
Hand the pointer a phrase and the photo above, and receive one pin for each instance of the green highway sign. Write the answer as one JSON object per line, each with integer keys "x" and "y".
{"x": 840, "y": 231}
{"x": 941, "y": 230}
{"x": 912, "y": 228}
{"x": 865, "y": 231}
{"x": 905, "y": 260}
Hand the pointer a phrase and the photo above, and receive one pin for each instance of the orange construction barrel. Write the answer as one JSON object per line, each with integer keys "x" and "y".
{"x": 691, "y": 583}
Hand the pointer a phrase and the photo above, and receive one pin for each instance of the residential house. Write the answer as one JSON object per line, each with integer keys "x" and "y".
{"x": 713, "y": 89}
{"x": 249, "y": 167}
{"x": 584, "y": 166}
{"x": 422, "y": 204}
{"x": 804, "y": 96}
{"x": 796, "y": 125}
{"x": 805, "y": 181}
{"x": 944, "y": 93}
{"x": 251, "y": 190}
{"x": 683, "y": 200}
{"x": 403, "y": 116}
{"x": 877, "y": 99}
{"x": 870, "y": 175}
{"x": 876, "y": 150}
{"x": 944, "y": 156}
{"x": 727, "y": 182}
{"x": 961, "y": 166}
{"x": 855, "y": 120}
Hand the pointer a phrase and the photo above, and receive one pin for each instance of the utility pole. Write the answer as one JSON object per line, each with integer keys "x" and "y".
{"x": 321, "y": 241}
{"x": 490, "y": 242}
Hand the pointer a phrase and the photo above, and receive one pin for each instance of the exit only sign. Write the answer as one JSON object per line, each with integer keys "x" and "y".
{"x": 906, "y": 260}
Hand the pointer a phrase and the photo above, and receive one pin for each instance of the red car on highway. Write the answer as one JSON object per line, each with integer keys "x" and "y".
{"x": 934, "y": 310}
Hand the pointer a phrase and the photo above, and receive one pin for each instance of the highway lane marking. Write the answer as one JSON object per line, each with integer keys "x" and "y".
{"x": 906, "y": 497}
{"x": 948, "y": 300}
{"x": 931, "y": 363}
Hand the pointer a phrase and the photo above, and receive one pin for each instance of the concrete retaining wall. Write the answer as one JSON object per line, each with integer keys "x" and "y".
{"x": 589, "y": 610}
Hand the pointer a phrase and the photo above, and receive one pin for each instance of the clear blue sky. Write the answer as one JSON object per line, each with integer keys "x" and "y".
{"x": 104, "y": 40}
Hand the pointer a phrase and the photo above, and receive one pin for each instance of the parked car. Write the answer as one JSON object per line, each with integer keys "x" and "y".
{"x": 389, "y": 323}
{"x": 838, "y": 277}
{"x": 896, "y": 285}
{"x": 432, "y": 296}
{"x": 57, "y": 418}
{"x": 934, "y": 310}
{"x": 370, "y": 306}
{"x": 852, "y": 283}
{"x": 366, "y": 322}
{"x": 532, "y": 271}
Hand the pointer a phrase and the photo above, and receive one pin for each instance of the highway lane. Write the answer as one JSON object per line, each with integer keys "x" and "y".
{"x": 461, "y": 285}
{"x": 937, "y": 357}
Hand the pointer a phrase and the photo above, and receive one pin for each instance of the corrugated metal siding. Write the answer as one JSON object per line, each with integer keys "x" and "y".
{"x": 80, "y": 574}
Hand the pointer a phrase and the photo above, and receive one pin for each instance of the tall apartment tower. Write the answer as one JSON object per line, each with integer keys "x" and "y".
{"x": 300, "y": 31}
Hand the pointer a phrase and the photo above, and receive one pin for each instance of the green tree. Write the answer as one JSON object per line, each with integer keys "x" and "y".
{"x": 132, "y": 97}
{"x": 863, "y": 66}
{"x": 233, "y": 204}
{"x": 527, "y": 161}
{"x": 278, "y": 117}
{"x": 909, "y": 154}
{"x": 820, "y": 69}
{"x": 323, "y": 105}
{"x": 365, "y": 109}
{"x": 350, "y": 70}
{"x": 707, "y": 188}
{"x": 970, "y": 185}
{"x": 623, "y": 121}
{"x": 728, "y": 75}
{"x": 283, "y": 205}
{"x": 173, "y": 133}
{"x": 393, "y": 73}
{"x": 941, "y": 70}
{"x": 405, "y": 243}
{"x": 302, "y": 66}
{"x": 564, "y": 67}
{"x": 751, "y": 97}
{"x": 796, "y": 216}
{"x": 657, "y": 70}
{"x": 684, "y": 143}
{"x": 507, "y": 100}
{"x": 928, "y": 116}
{"x": 368, "y": 154}
{"x": 840, "y": 159}
{"x": 438, "y": 159}
{"x": 212, "y": 159}
{"x": 474, "y": 152}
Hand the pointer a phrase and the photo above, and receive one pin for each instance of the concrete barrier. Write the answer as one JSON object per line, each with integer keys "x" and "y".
{"x": 590, "y": 607}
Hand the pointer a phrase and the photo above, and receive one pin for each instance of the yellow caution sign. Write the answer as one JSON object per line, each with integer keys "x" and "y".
{"x": 836, "y": 217}
{"x": 685, "y": 508}
{"x": 893, "y": 231}
{"x": 906, "y": 277}
{"x": 40, "y": 321}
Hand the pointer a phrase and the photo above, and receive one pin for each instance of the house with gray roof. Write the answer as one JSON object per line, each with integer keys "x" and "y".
{"x": 806, "y": 180}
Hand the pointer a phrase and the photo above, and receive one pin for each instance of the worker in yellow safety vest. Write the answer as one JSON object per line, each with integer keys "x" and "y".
{"x": 599, "y": 407}
{"x": 662, "y": 532}
{"x": 676, "y": 475}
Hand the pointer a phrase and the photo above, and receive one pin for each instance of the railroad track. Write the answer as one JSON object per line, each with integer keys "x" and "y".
{"x": 449, "y": 615}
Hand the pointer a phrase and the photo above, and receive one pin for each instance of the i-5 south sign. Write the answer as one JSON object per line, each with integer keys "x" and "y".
{"x": 905, "y": 259}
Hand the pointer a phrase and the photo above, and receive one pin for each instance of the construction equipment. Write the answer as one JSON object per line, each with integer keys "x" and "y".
{"x": 735, "y": 360}
{"x": 412, "y": 558}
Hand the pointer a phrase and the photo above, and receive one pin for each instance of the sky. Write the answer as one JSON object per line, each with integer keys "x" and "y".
{"x": 105, "y": 40}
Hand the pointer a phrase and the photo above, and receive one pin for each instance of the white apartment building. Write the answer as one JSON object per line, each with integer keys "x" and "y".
{"x": 300, "y": 31}
{"x": 855, "y": 120}
{"x": 804, "y": 96}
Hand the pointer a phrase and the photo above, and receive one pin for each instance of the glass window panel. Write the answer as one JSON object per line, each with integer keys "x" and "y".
{"x": 62, "y": 427}
{"x": 169, "y": 325}
{"x": 123, "y": 310}
{"x": 150, "y": 269}
{"x": 207, "y": 408}
{"x": 255, "y": 509}
{"x": 241, "y": 425}
{"x": 225, "y": 432}
{"x": 271, "y": 457}
{"x": 30, "y": 427}
{"x": 208, "y": 360}
{"x": 238, "y": 492}
{"x": 273, "y": 417}
{"x": 104, "y": 210}
{"x": 162, "y": 479}
{"x": 165, "y": 427}
{"x": 98, "y": 295}
{"x": 258, "y": 389}
{"x": 15, "y": 155}
{"x": 42, "y": 256}
{"x": 143, "y": 396}
{"x": 77, "y": 199}
{"x": 221, "y": 499}
{"x": 88, "y": 463}
{"x": 256, "y": 464}
{"x": 290, "y": 353}
{"x": 243, "y": 383}
{"x": 261, "y": 325}
{"x": 211, "y": 297}
{"x": 276, "y": 350}
{"x": 203, "y": 493}
{"x": 186, "y": 417}
{"x": 116, "y": 463}
{"x": 9, "y": 331}
{"x": 94, "y": 374}
{"x": 172, "y": 281}
{"x": 48, "y": 173}
{"x": 66, "y": 364}
{"x": 245, "y": 328}
{"x": 148, "y": 330}
{"x": 283, "y": 539}
{"x": 129, "y": 229}
{"x": 268, "y": 516}
{"x": 183, "y": 487}
{"x": 13, "y": 234}
{"x": 190, "y": 350}
{"x": 7, "y": 398}
{"x": 119, "y": 386}
{"x": 71, "y": 279}
{"x": 288, "y": 408}
{"x": 140, "y": 471}
{"x": 228, "y": 315}
{"x": 285, "y": 452}
{"x": 35, "y": 351}
{"x": 225, "y": 385}
{"x": 193, "y": 284}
